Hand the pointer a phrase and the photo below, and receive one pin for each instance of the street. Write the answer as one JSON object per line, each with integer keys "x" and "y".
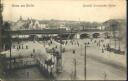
{"x": 100, "y": 65}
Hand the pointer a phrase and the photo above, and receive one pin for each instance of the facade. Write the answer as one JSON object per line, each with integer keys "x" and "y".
{"x": 64, "y": 27}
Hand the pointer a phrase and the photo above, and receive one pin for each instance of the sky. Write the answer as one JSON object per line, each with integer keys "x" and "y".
{"x": 77, "y": 10}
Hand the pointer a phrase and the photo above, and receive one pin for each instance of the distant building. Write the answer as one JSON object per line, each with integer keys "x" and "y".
{"x": 31, "y": 24}
{"x": 35, "y": 24}
{"x": 101, "y": 27}
{"x": 43, "y": 26}
{"x": 64, "y": 27}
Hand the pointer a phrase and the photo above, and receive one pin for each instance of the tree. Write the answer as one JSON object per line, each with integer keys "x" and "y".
{"x": 6, "y": 36}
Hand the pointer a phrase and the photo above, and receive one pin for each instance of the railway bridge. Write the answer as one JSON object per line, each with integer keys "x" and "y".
{"x": 74, "y": 33}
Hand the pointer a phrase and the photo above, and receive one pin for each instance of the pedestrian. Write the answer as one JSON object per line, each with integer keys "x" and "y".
{"x": 22, "y": 47}
{"x": 104, "y": 45}
{"x": 19, "y": 46}
{"x": 51, "y": 41}
{"x": 73, "y": 51}
{"x": 27, "y": 74}
{"x": 72, "y": 43}
{"x": 95, "y": 41}
{"x": 97, "y": 44}
{"x": 88, "y": 43}
{"x": 31, "y": 54}
{"x": 56, "y": 46}
{"x": 49, "y": 44}
{"x": 78, "y": 44}
{"x": 66, "y": 42}
{"x": 26, "y": 47}
{"x": 33, "y": 50}
{"x": 102, "y": 50}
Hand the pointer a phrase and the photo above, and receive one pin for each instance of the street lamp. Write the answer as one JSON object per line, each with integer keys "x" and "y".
{"x": 59, "y": 56}
{"x": 85, "y": 62}
{"x": 10, "y": 45}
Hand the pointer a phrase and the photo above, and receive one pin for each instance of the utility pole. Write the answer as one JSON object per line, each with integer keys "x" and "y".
{"x": 85, "y": 62}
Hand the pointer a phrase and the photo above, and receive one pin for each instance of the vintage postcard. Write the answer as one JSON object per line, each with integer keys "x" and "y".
{"x": 63, "y": 40}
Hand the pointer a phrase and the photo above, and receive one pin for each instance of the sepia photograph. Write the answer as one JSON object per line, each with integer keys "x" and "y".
{"x": 63, "y": 40}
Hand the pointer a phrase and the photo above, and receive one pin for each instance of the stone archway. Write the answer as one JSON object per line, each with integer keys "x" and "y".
{"x": 85, "y": 35}
{"x": 96, "y": 35}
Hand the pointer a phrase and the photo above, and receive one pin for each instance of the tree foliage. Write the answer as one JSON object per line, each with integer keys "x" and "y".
{"x": 6, "y": 36}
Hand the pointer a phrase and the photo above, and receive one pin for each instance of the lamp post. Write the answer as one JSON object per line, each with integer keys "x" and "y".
{"x": 75, "y": 71}
{"x": 10, "y": 56}
{"x": 59, "y": 56}
{"x": 61, "y": 53}
{"x": 85, "y": 62}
